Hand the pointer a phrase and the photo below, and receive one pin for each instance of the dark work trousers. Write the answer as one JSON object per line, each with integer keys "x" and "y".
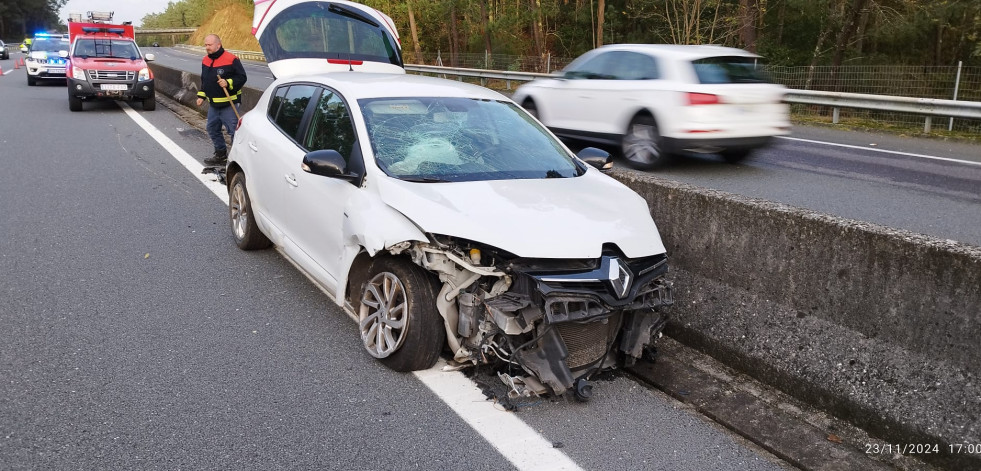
{"x": 218, "y": 117}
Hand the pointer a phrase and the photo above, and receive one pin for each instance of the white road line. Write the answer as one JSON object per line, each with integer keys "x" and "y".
{"x": 946, "y": 159}
{"x": 513, "y": 438}
{"x": 525, "y": 448}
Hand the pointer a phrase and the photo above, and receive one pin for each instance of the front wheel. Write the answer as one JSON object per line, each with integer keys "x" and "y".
{"x": 398, "y": 320}
{"x": 642, "y": 146}
{"x": 74, "y": 103}
{"x": 244, "y": 229}
{"x": 31, "y": 80}
{"x": 150, "y": 104}
{"x": 532, "y": 109}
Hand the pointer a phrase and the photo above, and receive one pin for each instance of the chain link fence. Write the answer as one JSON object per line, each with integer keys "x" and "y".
{"x": 936, "y": 82}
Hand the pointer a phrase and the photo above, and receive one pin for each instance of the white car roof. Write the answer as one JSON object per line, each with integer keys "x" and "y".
{"x": 358, "y": 85}
{"x": 680, "y": 51}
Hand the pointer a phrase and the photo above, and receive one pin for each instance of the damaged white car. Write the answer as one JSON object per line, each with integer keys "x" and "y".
{"x": 439, "y": 214}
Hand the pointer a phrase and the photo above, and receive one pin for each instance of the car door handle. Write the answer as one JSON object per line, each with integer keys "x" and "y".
{"x": 291, "y": 180}
{"x": 253, "y": 147}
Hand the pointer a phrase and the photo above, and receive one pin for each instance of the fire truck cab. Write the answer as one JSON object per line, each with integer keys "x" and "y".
{"x": 104, "y": 62}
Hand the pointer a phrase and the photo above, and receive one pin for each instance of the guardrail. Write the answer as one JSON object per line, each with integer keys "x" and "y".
{"x": 926, "y": 107}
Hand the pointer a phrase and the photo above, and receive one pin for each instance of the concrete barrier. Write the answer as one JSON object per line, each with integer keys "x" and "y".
{"x": 878, "y": 326}
{"x": 183, "y": 87}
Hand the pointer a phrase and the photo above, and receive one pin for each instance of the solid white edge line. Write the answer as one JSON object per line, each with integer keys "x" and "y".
{"x": 525, "y": 448}
{"x": 210, "y": 181}
{"x": 849, "y": 146}
{"x": 509, "y": 435}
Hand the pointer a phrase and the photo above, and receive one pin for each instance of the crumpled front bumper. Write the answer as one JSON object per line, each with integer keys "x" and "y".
{"x": 588, "y": 319}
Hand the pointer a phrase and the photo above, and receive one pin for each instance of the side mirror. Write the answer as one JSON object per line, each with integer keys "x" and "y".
{"x": 63, "y": 54}
{"x": 149, "y": 57}
{"x": 598, "y": 158}
{"x": 327, "y": 163}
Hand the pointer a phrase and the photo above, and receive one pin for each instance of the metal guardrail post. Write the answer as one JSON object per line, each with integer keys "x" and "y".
{"x": 835, "y": 114}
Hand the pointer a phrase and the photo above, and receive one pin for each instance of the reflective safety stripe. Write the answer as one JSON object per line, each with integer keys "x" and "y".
{"x": 227, "y": 99}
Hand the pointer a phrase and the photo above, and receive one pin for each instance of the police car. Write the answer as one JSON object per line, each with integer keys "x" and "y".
{"x": 45, "y": 61}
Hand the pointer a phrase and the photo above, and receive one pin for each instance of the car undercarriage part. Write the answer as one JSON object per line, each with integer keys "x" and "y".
{"x": 549, "y": 325}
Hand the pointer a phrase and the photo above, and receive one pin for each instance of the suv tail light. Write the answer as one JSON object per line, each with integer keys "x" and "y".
{"x": 703, "y": 99}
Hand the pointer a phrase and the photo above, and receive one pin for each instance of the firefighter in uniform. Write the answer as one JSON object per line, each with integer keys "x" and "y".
{"x": 222, "y": 79}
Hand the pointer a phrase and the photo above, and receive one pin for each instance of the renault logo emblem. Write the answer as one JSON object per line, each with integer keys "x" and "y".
{"x": 619, "y": 277}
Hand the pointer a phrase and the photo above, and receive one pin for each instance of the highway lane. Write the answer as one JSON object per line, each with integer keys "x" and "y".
{"x": 895, "y": 181}
{"x": 136, "y": 335}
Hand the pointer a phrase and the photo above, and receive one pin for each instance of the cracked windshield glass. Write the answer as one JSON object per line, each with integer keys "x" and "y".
{"x": 461, "y": 139}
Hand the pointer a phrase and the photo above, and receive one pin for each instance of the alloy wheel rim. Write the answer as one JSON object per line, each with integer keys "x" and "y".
{"x": 384, "y": 315}
{"x": 240, "y": 217}
{"x": 640, "y": 144}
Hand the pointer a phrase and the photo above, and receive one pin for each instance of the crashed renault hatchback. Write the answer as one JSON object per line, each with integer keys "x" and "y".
{"x": 441, "y": 215}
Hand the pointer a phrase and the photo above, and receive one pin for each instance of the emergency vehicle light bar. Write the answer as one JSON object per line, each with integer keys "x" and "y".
{"x": 94, "y": 29}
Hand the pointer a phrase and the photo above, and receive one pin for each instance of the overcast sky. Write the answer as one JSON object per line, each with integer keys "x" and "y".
{"x": 123, "y": 10}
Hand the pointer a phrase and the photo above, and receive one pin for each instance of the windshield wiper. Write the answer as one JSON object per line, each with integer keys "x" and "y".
{"x": 425, "y": 180}
{"x": 352, "y": 14}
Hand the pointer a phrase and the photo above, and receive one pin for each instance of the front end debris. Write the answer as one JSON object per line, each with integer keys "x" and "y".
{"x": 547, "y": 325}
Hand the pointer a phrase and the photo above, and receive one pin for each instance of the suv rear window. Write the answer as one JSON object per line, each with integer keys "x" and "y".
{"x": 734, "y": 69}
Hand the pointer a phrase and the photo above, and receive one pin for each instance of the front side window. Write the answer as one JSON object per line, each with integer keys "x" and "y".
{"x": 437, "y": 139}
{"x": 330, "y": 126}
{"x": 596, "y": 67}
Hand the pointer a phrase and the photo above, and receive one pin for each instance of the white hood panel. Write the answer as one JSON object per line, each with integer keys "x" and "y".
{"x": 541, "y": 218}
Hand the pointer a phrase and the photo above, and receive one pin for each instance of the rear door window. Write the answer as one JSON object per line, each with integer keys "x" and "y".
{"x": 289, "y": 106}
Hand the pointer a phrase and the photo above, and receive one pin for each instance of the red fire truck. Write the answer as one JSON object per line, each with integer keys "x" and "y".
{"x": 104, "y": 62}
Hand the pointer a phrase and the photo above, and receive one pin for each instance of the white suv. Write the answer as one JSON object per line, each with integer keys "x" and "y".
{"x": 654, "y": 100}
{"x": 46, "y": 61}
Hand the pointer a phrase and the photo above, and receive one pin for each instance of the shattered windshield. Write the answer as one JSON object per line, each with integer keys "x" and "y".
{"x": 461, "y": 139}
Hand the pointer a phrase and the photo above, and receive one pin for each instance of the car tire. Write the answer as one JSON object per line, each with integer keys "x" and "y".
{"x": 150, "y": 104}
{"x": 734, "y": 156}
{"x": 642, "y": 147}
{"x": 532, "y": 109}
{"x": 244, "y": 229}
{"x": 31, "y": 80}
{"x": 74, "y": 103}
{"x": 397, "y": 319}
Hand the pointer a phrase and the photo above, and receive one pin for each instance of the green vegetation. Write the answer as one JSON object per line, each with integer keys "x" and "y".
{"x": 787, "y": 32}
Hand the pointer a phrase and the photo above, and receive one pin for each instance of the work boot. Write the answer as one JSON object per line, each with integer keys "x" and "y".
{"x": 220, "y": 158}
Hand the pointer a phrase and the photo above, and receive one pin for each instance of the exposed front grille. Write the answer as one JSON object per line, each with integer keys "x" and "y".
{"x": 121, "y": 75}
{"x": 586, "y": 342}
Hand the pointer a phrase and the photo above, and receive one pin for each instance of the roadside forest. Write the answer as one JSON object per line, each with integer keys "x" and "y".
{"x": 786, "y": 32}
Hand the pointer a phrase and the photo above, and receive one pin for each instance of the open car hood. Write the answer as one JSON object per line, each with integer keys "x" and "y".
{"x": 537, "y": 218}
{"x": 312, "y": 37}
